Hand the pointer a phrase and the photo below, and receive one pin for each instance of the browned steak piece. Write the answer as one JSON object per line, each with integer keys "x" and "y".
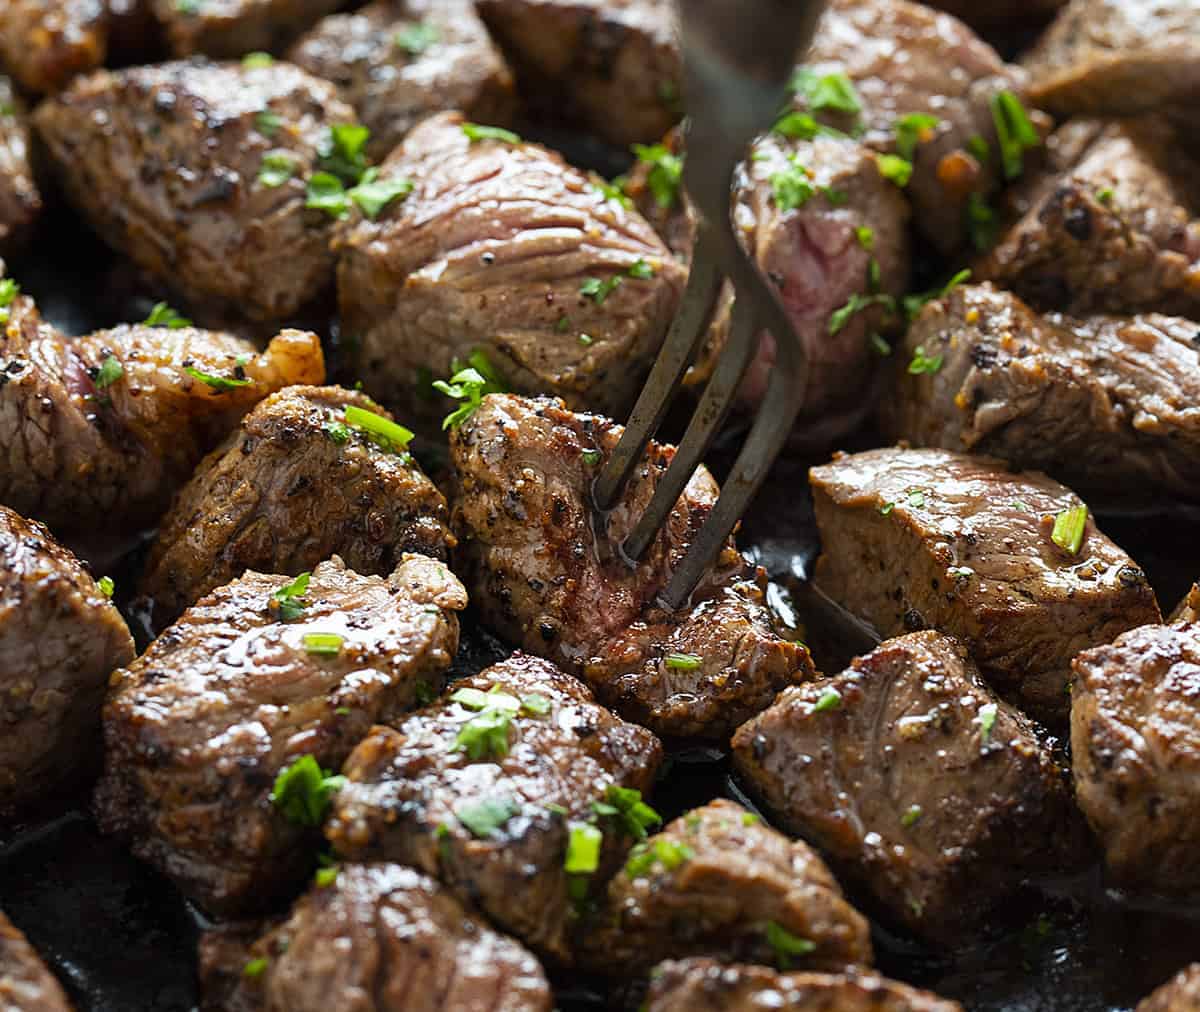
{"x": 928, "y": 538}
{"x": 704, "y": 985}
{"x": 197, "y": 172}
{"x": 112, "y": 424}
{"x": 60, "y": 639}
{"x": 1188, "y": 610}
{"x": 1117, "y": 230}
{"x": 294, "y": 484}
{"x": 503, "y": 247}
{"x": 718, "y": 882}
{"x": 44, "y": 43}
{"x": 490, "y": 789}
{"x": 20, "y": 201}
{"x": 544, "y": 576}
{"x": 228, "y": 28}
{"x": 1107, "y": 404}
{"x": 397, "y": 61}
{"x": 1180, "y": 994}
{"x": 1135, "y": 738}
{"x": 916, "y": 781}
{"x": 382, "y": 937}
{"x": 25, "y": 983}
{"x": 198, "y": 728}
{"x": 610, "y": 67}
{"x": 1118, "y": 57}
{"x": 905, "y": 58}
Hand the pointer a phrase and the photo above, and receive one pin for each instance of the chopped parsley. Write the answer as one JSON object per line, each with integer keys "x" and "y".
{"x": 583, "y": 849}
{"x": 324, "y": 644}
{"x": 791, "y": 188}
{"x": 268, "y": 122}
{"x": 750, "y": 819}
{"x": 1069, "y": 528}
{"x": 485, "y": 734}
{"x": 488, "y": 817}
{"x": 162, "y": 315}
{"x": 895, "y": 169}
{"x": 665, "y": 175}
{"x": 326, "y": 876}
{"x": 591, "y": 457}
{"x": 923, "y": 363}
{"x": 290, "y": 598}
{"x": 477, "y": 699}
{"x": 803, "y": 126}
{"x": 276, "y": 169}
{"x": 833, "y": 92}
{"x": 857, "y": 302}
{"x": 586, "y": 339}
{"x": 1023, "y": 507}
{"x": 913, "y": 303}
{"x": 9, "y": 290}
{"x": 865, "y": 235}
{"x": 787, "y": 945}
{"x": 610, "y": 191}
{"x": 683, "y": 662}
{"x": 879, "y": 345}
{"x": 342, "y": 152}
{"x": 476, "y": 132}
{"x": 982, "y": 223}
{"x": 416, "y": 38}
{"x": 109, "y": 372}
{"x": 255, "y": 968}
{"x": 911, "y": 817}
{"x": 303, "y": 790}
{"x": 626, "y": 806}
{"x": 640, "y": 271}
{"x": 916, "y": 498}
{"x": 325, "y": 192}
{"x": 337, "y": 431}
{"x": 385, "y": 433}
{"x": 911, "y": 130}
{"x": 220, "y": 384}
{"x": 373, "y": 194}
{"x": 536, "y": 704}
{"x": 106, "y": 586}
{"x": 598, "y": 289}
{"x": 830, "y": 699}
{"x": 979, "y": 148}
{"x": 886, "y": 508}
{"x": 987, "y": 721}
{"x": 1014, "y": 131}
{"x": 469, "y": 384}
{"x": 669, "y": 853}
{"x": 1105, "y": 195}
{"x": 257, "y": 60}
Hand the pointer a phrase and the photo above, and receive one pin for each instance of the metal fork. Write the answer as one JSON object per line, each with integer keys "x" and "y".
{"x": 738, "y": 56}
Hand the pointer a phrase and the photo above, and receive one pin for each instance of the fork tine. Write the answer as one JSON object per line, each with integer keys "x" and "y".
{"x": 689, "y": 326}
{"x": 710, "y": 413}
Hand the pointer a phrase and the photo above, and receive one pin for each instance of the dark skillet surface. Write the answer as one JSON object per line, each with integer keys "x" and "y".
{"x": 122, "y": 940}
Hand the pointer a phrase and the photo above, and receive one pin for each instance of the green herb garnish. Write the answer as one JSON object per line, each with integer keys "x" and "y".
{"x": 373, "y": 194}
{"x": 469, "y": 385}
{"x": 1069, "y": 528}
{"x": 982, "y": 223}
{"x": 683, "y": 662}
{"x": 787, "y": 945}
{"x": 856, "y": 304}
{"x": 640, "y": 271}
{"x": 276, "y": 169}
{"x": 665, "y": 175}
{"x": 834, "y": 92}
{"x": 922, "y": 363}
{"x": 291, "y": 597}
{"x": 895, "y": 169}
{"x": 387, "y": 434}
{"x": 342, "y": 152}
{"x": 598, "y": 289}
{"x": 669, "y": 853}
{"x": 987, "y": 720}
{"x": 162, "y": 315}
{"x": 1014, "y": 131}
{"x": 610, "y": 191}
{"x": 416, "y": 38}
{"x": 830, "y": 699}
{"x": 626, "y": 805}
{"x": 326, "y": 876}
{"x": 979, "y": 148}
{"x": 583, "y": 849}
{"x": 476, "y": 132}
{"x": 303, "y": 791}
{"x": 219, "y": 383}
{"x": 109, "y": 372}
{"x": 257, "y": 60}
{"x": 336, "y": 431}
{"x": 9, "y": 290}
{"x": 911, "y": 817}
{"x": 911, "y": 130}
{"x": 488, "y": 817}
{"x": 106, "y": 586}
{"x": 255, "y": 968}
{"x": 791, "y": 188}
{"x": 485, "y": 734}
{"x": 268, "y": 122}
{"x": 865, "y": 236}
{"x": 322, "y": 643}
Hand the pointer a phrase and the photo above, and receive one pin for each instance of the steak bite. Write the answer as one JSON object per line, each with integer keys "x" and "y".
{"x": 397, "y": 61}
{"x": 1180, "y": 994}
{"x": 1115, "y": 229}
{"x": 44, "y": 43}
{"x": 545, "y": 576}
{"x": 198, "y": 173}
{"x": 60, "y": 639}
{"x": 1135, "y": 738}
{"x": 718, "y": 882}
{"x": 915, "y": 780}
{"x": 20, "y": 201}
{"x": 1118, "y": 58}
{"x": 383, "y": 937}
{"x": 705, "y": 985}
{"x": 611, "y": 69}
{"x": 1107, "y": 404}
{"x": 503, "y": 247}
{"x": 112, "y": 424}
{"x": 25, "y": 983}
{"x": 496, "y": 791}
{"x": 916, "y": 539}
{"x": 299, "y": 480}
{"x": 229, "y": 28}
{"x": 263, "y": 676}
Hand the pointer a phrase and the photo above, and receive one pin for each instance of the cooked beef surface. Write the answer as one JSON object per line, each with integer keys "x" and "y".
{"x": 60, "y": 639}
{"x": 198, "y": 727}
{"x": 397, "y": 61}
{"x": 291, "y": 486}
{"x": 381, "y": 938}
{"x": 491, "y": 817}
{"x": 112, "y": 424}
{"x": 1116, "y": 230}
{"x": 229, "y": 28}
{"x": 1135, "y": 737}
{"x": 20, "y": 201}
{"x": 44, "y": 43}
{"x": 719, "y": 882}
{"x": 916, "y": 539}
{"x": 1188, "y": 610}
{"x": 544, "y": 576}
{"x": 704, "y": 985}
{"x": 906, "y": 58}
{"x": 1180, "y": 994}
{"x": 180, "y": 166}
{"x": 609, "y": 67}
{"x": 1118, "y": 57}
{"x": 496, "y": 249}
{"x": 25, "y": 983}
{"x": 916, "y": 781}
{"x": 1107, "y": 404}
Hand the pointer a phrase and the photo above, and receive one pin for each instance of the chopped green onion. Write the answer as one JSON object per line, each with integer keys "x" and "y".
{"x": 268, "y": 123}
{"x": 218, "y": 383}
{"x": 750, "y": 819}
{"x": 886, "y": 508}
{"x": 476, "y": 699}
{"x": 414, "y": 39}
{"x": 337, "y": 431}
{"x": 895, "y": 169}
{"x": 486, "y": 734}
{"x": 302, "y": 791}
{"x": 979, "y": 148}
{"x": 488, "y": 817}
{"x": 1014, "y": 130}
{"x": 583, "y": 849}
{"x": 475, "y": 132}
{"x": 163, "y": 315}
{"x": 326, "y": 644}
{"x": 389, "y": 435}
{"x": 856, "y": 304}
{"x": 1023, "y": 507}
{"x": 598, "y": 290}
{"x": 610, "y": 191}
{"x": 987, "y": 720}
{"x": 669, "y": 853}
{"x": 791, "y": 188}
{"x": 830, "y": 699}
{"x": 982, "y": 224}
{"x": 916, "y": 498}
{"x": 834, "y": 92}
{"x": 9, "y": 290}
{"x": 291, "y": 597}
{"x": 469, "y": 384}
{"x": 255, "y": 968}
{"x": 803, "y": 126}
{"x": 836, "y": 198}
{"x": 787, "y": 945}
{"x": 342, "y": 152}
{"x": 536, "y": 704}
{"x": 922, "y": 363}
{"x": 641, "y": 271}
{"x": 879, "y": 345}
{"x": 106, "y": 586}
{"x": 865, "y": 236}
{"x": 276, "y": 169}
{"x": 109, "y": 372}
{"x": 1069, "y": 528}
{"x": 325, "y": 877}
{"x": 1105, "y": 195}
{"x": 257, "y": 60}
{"x": 911, "y": 130}
{"x": 586, "y": 339}
{"x": 626, "y": 804}
{"x": 591, "y": 457}
{"x": 911, "y": 817}
{"x": 683, "y": 662}
{"x": 665, "y": 175}
{"x": 555, "y": 809}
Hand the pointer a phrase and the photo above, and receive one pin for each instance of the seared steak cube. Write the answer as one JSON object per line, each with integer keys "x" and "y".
{"x": 112, "y": 424}
{"x": 503, "y": 247}
{"x": 228, "y": 28}
{"x": 257, "y": 677}
{"x": 384, "y": 937}
{"x": 1118, "y": 57}
{"x": 198, "y": 173}
{"x": 1188, "y": 610}
{"x": 611, "y": 69}
{"x": 25, "y": 983}
{"x": 928, "y": 538}
{"x": 1105, "y": 404}
{"x": 1135, "y": 739}
{"x": 1180, "y": 994}
{"x": 44, "y": 43}
{"x": 20, "y": 201}
{"x": 718, "y": 882}
{"x": 915, "y": 780}
{"x": 705, "y": 985}
{"x": 298, "y": 481}
{"x": 1116, "y": 229}
{"x": 545, "y": 576}
{"x": 397, "y": 61}
{"x": 60, "y": 639}
{"x": 491, "y": 789}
